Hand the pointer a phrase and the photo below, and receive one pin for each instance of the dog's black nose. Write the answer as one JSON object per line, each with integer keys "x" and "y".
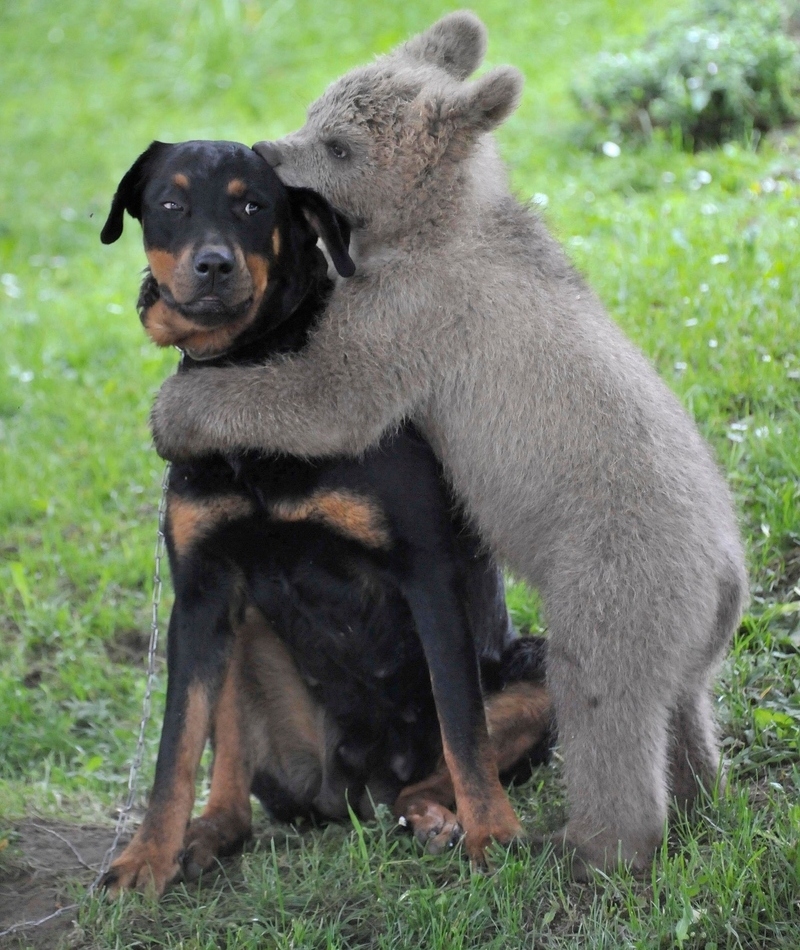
{"x": 214, "y": 260}
{"x": 269, "y": 152}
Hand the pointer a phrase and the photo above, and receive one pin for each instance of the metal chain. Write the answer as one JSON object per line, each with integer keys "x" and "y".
{"x": 138, "y": 755}
{"x": 136, "y": 763}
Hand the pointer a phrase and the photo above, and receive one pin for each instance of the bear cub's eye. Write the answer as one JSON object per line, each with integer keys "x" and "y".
{"x": 252, "y": 208}
{"x": 338, "y": 150}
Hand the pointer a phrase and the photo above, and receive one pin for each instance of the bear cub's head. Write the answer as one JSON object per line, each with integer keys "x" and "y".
{"x": 389, "y": 144}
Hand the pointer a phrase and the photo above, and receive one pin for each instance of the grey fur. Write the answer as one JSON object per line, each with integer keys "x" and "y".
{"x": 457, "y": 43}
{"x": 577, "y": 463}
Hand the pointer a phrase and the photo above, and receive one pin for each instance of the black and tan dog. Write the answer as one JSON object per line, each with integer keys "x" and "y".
{"x": 329, "y": 615}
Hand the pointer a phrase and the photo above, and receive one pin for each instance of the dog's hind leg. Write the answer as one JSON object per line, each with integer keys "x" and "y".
{"x": 425, "y": 808}
{"x": 268, "y": 737}
{"x": 520, "y": 722}
{"x": 226, "y": 820}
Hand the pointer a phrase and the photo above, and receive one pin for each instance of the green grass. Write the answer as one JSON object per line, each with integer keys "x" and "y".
{"x": 695, "y": 256}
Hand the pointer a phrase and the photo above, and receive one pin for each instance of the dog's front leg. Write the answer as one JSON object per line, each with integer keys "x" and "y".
{"x": 484, "y": 811}
{"x": 197, "y": 656}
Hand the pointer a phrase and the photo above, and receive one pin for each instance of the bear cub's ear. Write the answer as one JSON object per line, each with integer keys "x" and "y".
{"x": 488, "y": 102}
{"x": 456, "y": 43}
{"x": 476, "y": 107}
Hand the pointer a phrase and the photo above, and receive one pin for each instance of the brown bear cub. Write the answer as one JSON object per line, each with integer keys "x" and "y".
{"x": 578, "y": 465}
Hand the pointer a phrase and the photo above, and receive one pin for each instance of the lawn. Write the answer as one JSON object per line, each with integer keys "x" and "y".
{"x": 694, "y": 255}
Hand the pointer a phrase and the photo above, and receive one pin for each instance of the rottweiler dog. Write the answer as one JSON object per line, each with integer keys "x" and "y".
{"x": 338, "y": 630}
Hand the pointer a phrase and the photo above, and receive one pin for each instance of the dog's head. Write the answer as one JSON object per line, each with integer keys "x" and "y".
{"x": 231, "y": 250}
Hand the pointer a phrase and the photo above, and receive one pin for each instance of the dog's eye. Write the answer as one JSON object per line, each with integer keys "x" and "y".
{"x": 338, "y": 150}
{"x": 251, "y": 208}
{"x": 171, "y": 206}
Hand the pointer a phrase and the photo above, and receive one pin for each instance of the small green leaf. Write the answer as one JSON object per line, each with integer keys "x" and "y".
{"x": 21, "y": 583}
{"x": 93, "y": 764}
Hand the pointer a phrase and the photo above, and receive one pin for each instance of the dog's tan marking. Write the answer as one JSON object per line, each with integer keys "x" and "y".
{"x": 236, "y": 188}
{"x": 352, "y": 515}
{"x": 175, "y": 814}
{"x": 483, "y": 808}
{"x": 276, "y": 242}
{"x": 226, "y": 819}
{"x": 230, "y": 783}
{"x": 518, "y": 719}
{"x": 181, "y": 181}
{"x": 484, "y": 811}
{"x": 167, "y": 327}
{"x": 188, "y": 520}
{"x": 259, "y": 272}
{"x": 162, "y": 265}
{"x": 160, "y": 322}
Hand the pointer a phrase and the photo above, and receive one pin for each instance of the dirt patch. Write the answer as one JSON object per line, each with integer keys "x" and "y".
{"x": 47, "y": 866}
{"x": 127, "y": 647}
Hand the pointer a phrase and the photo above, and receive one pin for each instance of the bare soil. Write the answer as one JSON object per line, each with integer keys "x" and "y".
{"x": 47, "y": 866}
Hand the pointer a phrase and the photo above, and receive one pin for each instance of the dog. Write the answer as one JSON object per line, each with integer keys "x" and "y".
{"x": 312, "y": 597}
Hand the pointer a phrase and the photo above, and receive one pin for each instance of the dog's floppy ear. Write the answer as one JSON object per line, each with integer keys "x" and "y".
{"x": 328, "y": 225}
{"x": 129, "y": 193}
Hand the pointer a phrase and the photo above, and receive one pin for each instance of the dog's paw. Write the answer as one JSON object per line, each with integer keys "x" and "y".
{"x": 435, "y": 828}
{"x": 201, "y": 851}
{"x": 142, "y": 866}
{"x": 478, "y": 840}
{"x": 210, "y": 838}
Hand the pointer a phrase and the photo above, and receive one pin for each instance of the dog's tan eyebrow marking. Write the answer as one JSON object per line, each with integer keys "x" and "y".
{"x": 276, "y": 242}
{"x": 236, "y": 188}
{"x": 181, "y": 181}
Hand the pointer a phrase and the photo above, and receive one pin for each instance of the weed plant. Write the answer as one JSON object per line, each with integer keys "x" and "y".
{"x": 719, "y": 71}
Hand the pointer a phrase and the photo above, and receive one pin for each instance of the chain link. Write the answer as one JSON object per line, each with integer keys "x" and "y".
{"x": 138, "y": 755}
